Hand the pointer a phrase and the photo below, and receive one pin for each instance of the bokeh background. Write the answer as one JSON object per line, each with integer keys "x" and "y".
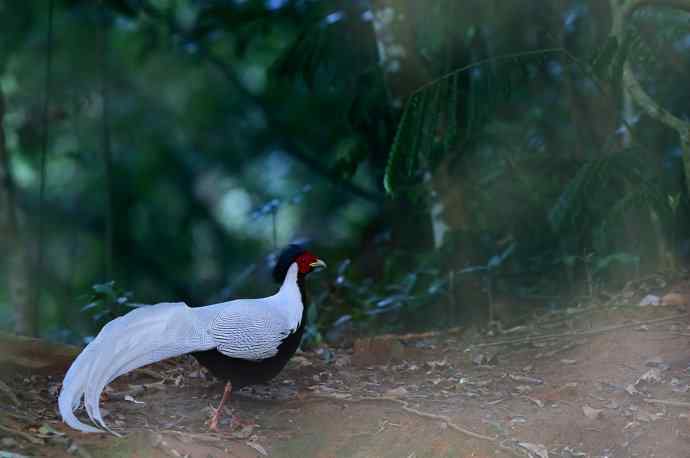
{"x": 455, "y": 162}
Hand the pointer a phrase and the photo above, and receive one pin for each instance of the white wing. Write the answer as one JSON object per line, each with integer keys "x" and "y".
{"x": 249, "y": 331}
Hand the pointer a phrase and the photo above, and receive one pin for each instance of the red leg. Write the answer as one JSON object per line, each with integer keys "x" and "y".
{"x": 213, "y": 423}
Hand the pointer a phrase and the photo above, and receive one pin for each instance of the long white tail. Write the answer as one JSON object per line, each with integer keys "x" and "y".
{"x": 143, "y": 336}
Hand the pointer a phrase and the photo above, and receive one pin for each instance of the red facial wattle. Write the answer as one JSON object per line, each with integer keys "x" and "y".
{"x": 305, "y": 261}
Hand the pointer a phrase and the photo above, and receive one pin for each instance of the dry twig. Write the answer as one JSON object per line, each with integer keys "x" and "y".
{"x": 22, "y": 434}
{"x": 578, "y": 333}
{"x": 10, "y": 394}
{"x": 405, "y": 406}
{"x": 150, "y": 373}
{"x": 668, "y": 402}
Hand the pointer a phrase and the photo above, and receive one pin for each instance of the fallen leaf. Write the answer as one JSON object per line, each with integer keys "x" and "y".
{"x": 518, "y": 420}
{"x": 631, "y": 390}
{"x": 10, "y": 394}
{"x": 538, "y": 450}
{"x": 258, "y": 447}
{"x": 47, "y": 430}
{"x": 8, "y": 442}
{"x": 342, "y": 361}
{"x": 654, "y": 362}
{"x": 436, "y": 364}
{"x": 300, "y": 361}
{"x": 399, "y": 391}
{"x": 611, "y": 405}
{"x": 244, "y": 432}
{"x": 480, "y": 359}
{"x": 675, "y": 299}
{"x": 591, "y": 413}
{"x": 679, "y": 387}
{"x": 523, "y": 389}
{"x": 644, "y": 416}
{"x": 538, "y": 402}
{"x": 650, "y": 299}
{"x": 651, "y": 376}
{"x": 569, "y": 451}
{"x": 131, "y": 399}
{"x": 525, "y": 379}
{"x": 4, "y": 454}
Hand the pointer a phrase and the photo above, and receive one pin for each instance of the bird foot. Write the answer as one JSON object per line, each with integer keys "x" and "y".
{"x": 238, "y": 423}
{"x": 214, "y": 420}
{"x": 213, "y": 425}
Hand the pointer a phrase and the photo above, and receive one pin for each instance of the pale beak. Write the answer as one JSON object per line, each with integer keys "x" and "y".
{"x": 318, "y": 263}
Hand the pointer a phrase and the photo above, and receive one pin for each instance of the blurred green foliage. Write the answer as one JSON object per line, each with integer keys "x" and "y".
{"x": 422, "y": 147}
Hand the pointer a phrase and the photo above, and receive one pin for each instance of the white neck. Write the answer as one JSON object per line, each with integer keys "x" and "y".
{"x": 290, "y": 297}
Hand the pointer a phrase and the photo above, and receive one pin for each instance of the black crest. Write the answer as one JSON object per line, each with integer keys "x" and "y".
{"x": 285, "y": 260}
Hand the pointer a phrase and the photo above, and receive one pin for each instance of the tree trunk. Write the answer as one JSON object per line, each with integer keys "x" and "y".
{"x": 14, "y": 248}
{"x": 621, "y": 13}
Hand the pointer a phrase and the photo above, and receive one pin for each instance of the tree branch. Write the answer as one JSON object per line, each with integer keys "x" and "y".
{"x": 274, "y": 124}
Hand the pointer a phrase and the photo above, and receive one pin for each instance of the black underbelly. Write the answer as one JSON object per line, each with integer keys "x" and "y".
{"x": 242, "y": 372}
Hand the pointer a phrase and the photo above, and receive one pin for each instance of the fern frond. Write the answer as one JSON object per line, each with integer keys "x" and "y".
{"x": 396, "y": 155}
{"x": 416, "y": 142}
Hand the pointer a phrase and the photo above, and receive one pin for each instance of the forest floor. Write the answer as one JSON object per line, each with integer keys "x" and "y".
{"x": 586, "y": 382}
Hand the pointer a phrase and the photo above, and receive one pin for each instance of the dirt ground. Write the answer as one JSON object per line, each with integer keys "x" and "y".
{"x": 598, "y": 382}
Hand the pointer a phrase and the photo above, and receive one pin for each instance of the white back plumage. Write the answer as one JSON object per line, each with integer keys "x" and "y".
{"x": 245, "y": 328}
